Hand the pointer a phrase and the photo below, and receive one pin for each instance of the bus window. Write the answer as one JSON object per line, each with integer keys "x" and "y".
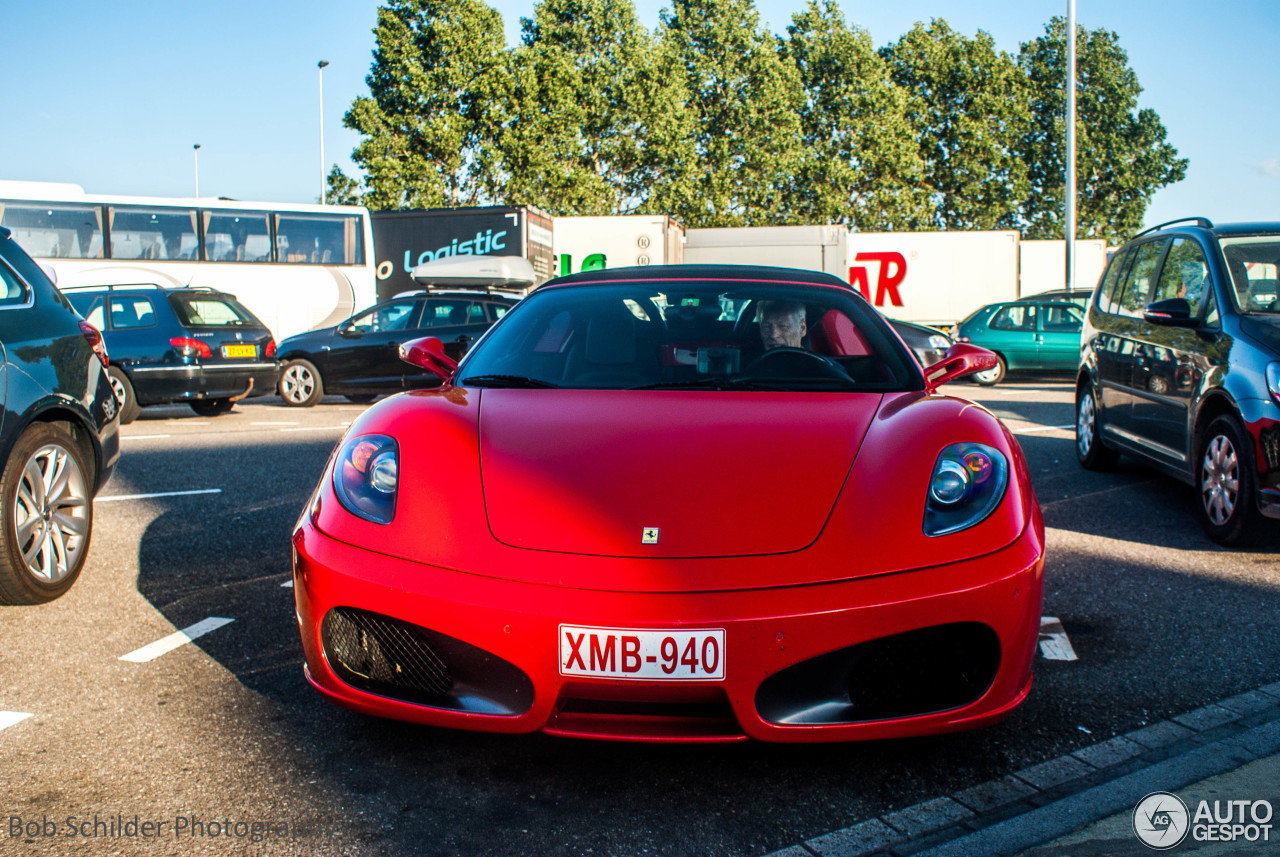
{"x": 53, "y": 231}
{"x": 325, "y": 239}
{"x": 236, "y": 236}
{"x": 153, "y": 233}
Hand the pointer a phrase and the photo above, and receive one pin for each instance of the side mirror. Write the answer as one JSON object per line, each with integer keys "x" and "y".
{"x": 961, "y": 359}
{"x": 1174, "y": 312}
{"x": 428, "y": 353}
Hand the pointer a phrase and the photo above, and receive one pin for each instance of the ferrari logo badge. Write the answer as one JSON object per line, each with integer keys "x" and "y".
{"x": 649, "y": 535}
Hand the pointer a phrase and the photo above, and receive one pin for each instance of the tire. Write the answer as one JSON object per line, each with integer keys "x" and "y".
{"x": 300, "y": 384}
{"x": 1091, "y": 452}
{"x": 1227, "y": 484}
{"x": 991, "y": 377}
{"x": 47, "y": 516}
{"x": 211, "y": 407}
{"x": 360, "y": 398}
{"x": 126, "y": 401}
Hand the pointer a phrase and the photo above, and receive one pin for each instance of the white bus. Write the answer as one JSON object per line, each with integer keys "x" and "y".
{"x": 295, "y": 266}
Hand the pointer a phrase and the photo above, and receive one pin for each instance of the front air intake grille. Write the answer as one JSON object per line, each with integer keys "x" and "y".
{"x": 378, "y": 653}
{"x": 398, "y": 659}
{"x": 903, "y": 675}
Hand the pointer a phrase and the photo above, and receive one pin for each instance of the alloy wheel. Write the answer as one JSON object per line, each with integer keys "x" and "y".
{"x": 298, "y": 384}
{"x": 1220, "y": 480}
{"x": 1086, "y": 425}
{"x": 50, "y": 513}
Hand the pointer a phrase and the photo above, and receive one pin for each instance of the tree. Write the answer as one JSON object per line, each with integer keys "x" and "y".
{"x": 343, "y": 190}
{"x": 745, "y": 103}
{"x": 593, "y": 119}
{"x": 861, "y": 166}
{"x": 436, "y": 70}
{"x": 970, "y": 108}
{"x": 1122, "y": 157}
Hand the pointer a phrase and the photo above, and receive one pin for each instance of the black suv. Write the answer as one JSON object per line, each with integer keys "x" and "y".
{"x": 1180, "y": 367}
{"x": 59, "y": 438}
{"x": 360, "y": 358}
{"x": 197, "y": 346}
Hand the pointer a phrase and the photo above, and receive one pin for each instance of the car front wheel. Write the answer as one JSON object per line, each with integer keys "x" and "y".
{"x": 1090, "y": 451}
{"x": 126, "y": 401}
{"x": 994, "y": 375}
{"x": 48, "y": 516}
{"x": 300, "y": 384}
{"x": 1228, "y": 484}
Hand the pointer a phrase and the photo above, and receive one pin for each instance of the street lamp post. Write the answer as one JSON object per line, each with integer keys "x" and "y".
{"x": 195, "y": 153}
{"x": 321, "y": 66}
{"x": 1070, "y": 213}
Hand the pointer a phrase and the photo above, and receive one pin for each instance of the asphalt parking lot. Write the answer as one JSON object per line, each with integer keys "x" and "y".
{"x": 224, "y": 733}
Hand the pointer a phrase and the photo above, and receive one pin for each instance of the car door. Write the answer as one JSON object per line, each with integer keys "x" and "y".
{"x": 1119, "y": 325}
{"x": 1059, "y": 342}
{"x": 1171, "y": 360}
{"x": 365, "y": 356}
{"x": 1013, "y": 333}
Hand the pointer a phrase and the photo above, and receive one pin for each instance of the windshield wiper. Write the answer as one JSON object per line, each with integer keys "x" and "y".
{"x": 507, "y": 381}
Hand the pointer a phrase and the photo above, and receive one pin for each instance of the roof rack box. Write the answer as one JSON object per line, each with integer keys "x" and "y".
{"x": 479, "y": 273}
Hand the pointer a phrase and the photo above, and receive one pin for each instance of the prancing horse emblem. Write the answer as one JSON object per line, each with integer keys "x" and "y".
{"x": 649, "y": 535}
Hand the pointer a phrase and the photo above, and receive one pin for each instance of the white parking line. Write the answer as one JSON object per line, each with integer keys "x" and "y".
{"x": 276, "y": 423}
{"x": 1054, "y": 644}
{"x": 8, "y": 718}
{"x": 1019, "y": 392}
{"x": 111, "y": 497}
{"x": 318, "y": 428}
{"x": 1042, "y": 428}
{"x": 151, "y": 651}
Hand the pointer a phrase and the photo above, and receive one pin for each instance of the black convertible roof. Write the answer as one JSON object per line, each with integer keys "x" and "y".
{"x": 650, "y": 273}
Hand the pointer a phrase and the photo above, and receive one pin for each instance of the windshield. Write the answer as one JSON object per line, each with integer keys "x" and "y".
{"x": 712, "y": 335}
{"x": 1253, "y": 261}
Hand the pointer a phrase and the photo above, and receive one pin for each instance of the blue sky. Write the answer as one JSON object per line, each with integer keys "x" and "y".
{"x": 112, "y": 96}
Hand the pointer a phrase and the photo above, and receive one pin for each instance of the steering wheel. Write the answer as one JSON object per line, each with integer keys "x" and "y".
{"x": 786, "y": 361}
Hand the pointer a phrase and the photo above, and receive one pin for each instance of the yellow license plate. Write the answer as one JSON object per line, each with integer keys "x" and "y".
{"x": 239, "y": 351}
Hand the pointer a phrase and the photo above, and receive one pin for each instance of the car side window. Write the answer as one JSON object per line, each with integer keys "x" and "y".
{"x": 396, "y": 316}
{"x": 497, "y": 311}
{"x": 15, "y": 291}
{"x": 1138, "y": 282}
{"x": 131, "y": 312}
{"x": 448, "y": 313}
{"x": 1109, "y": 294}
{"x": 1184, "y": 274}
{"x": 1062, "y": 319}
{"x": 1016, "y": 317}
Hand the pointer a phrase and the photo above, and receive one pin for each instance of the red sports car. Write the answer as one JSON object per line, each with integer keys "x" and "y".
{"x": 693, "y": 503}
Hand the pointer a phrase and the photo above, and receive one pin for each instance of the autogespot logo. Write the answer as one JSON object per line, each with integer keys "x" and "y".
{"x": 1160, "y": 820}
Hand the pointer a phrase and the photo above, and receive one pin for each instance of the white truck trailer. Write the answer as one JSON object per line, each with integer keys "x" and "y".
{"x": 1042, "y": 265}
{"x": 590, "y": 243}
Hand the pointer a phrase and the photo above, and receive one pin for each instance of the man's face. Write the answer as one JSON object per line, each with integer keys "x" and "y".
{"x": 782, "y": 329}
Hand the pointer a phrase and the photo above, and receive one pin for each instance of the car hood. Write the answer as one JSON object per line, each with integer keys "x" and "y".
{"x": 666, "y": 474}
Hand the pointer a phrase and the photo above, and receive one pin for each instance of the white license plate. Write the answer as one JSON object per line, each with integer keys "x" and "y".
{"x": 662, "y": 655}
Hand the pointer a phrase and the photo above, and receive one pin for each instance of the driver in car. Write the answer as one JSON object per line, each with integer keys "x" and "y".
{"x": 782, "y": 324}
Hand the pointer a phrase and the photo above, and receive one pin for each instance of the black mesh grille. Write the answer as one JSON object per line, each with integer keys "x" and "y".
{"x": 375, "y": 652}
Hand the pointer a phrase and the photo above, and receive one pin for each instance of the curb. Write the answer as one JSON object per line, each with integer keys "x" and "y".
{"x": 1042, "y": 802}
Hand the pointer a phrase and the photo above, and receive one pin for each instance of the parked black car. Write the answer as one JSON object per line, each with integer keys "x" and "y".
{"x": 58, "y": 432}
{"x": 928, "y": 344}
{"x": 360, "y": 358}
{"x": 197, "y": 346}
{"x": 1180, "y": 367}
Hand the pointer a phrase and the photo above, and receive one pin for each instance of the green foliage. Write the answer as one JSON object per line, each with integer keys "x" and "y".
{"x": 719, "y": 123}
{"x": 1122, "y": 157}
{"x": 861, "y": 166}
{"x": 593, "y": 119}
{"x": 746, "y": 103}
{"x": 970, "y": 105}
{"x": 427, "y": 121}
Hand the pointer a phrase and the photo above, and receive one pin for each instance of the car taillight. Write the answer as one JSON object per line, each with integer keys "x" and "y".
{"x": 270, "y": 350}
{"x": 190, "y": 347}
{"x": 94, "y": 338}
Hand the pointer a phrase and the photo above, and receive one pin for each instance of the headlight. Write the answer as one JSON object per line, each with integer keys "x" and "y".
{"x": 1273, "y": 381}
{"x": 968, "y": 482}
{"x": 938, "y": 342}
{"x": 366, "y": 476}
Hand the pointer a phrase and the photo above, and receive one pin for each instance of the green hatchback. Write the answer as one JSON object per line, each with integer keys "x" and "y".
{"x": 1026, "y": 334}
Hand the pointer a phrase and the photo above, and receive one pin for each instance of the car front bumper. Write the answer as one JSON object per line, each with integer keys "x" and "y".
{"x": 850, "y": 660}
